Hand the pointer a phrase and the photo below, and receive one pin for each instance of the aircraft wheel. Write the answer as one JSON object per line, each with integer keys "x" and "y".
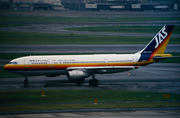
{"x": 93, "y": 82}
{"x": 90, "y": 82}
{"x": 26, "y": 81}
{"x": 79, "y": 82}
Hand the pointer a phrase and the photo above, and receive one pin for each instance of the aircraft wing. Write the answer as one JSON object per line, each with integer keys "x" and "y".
{"x": 102, "y": 69}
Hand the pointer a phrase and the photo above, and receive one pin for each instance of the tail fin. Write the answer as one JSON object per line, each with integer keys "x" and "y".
{"x": 158, "y": 44}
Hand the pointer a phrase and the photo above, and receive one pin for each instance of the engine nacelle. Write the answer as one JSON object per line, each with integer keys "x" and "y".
{"x": 77, "y": 75}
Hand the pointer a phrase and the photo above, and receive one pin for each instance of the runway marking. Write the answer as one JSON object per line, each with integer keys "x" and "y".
{"x": 128, "y": 74}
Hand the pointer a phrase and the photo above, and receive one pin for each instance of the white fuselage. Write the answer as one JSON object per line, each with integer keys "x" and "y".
{"x": 55, "y": 65}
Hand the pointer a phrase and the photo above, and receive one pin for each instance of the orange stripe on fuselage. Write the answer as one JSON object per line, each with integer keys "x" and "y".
{"x": 60, "y": 66}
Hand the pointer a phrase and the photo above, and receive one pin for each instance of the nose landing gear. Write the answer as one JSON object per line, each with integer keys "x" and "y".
{"x": 26, "y": 81}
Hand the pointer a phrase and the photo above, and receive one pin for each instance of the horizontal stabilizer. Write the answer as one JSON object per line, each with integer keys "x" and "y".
{"x": 162, "y": 58}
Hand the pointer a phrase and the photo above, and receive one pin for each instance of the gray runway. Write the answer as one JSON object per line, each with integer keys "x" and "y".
{"x": 71, "y": 13}
{"x": 58, "y": 27}
{"x": 32, "y": 49}
{"x": 158, "y": 77}
{"x": 163, "y": 113}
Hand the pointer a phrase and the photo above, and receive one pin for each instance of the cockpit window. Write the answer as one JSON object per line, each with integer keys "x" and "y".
{"x": 12, "y": 63}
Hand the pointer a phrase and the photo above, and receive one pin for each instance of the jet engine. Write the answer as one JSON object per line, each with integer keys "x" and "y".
{"x": 77, "y": 75}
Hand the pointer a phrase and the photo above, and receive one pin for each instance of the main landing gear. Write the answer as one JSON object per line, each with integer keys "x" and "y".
{"x": 26, "y": 81}
{"x": 93, "y": 81}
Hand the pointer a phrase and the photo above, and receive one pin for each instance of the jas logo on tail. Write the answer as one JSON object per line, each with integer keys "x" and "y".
{"x": 160, "y": 37}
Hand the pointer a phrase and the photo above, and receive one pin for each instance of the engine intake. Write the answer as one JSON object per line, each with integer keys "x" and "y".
{"x": 77, "y": 75}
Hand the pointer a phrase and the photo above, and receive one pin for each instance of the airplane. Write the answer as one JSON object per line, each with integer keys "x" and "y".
{"x": 79, "y": 67}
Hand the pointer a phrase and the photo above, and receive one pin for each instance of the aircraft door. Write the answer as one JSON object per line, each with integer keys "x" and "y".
{"x": 106, "y": 62}
{"x": 51, "y": 63}
{"x": 26, "y": 63}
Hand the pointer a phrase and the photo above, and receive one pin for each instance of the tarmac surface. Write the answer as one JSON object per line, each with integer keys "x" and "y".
{"x": 128, "y": 48}
{"x": 52, "y": 27}
{"x": 117, "y": 113}
{"x": 158, "y": 77}
{"x": 59, "y": 27}
{"x": 70, "y": 13}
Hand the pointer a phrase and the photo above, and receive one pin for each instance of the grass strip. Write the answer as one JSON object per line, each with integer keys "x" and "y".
{"x": 12, "y": 25}
{"x": 62, "y": 39}
{"x": 26, "y": 100}
{"x": 31, "y": 19}
{"x": 61, "y": 96}
{"x": 124, "y": 29}
{"x": 88, "y": 106}
{"x": 64, "y": 96}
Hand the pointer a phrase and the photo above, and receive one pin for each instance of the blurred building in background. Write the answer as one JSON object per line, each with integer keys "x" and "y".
{"x": 92, "y": 5}
{"x": 122, "y": 5}
{"x": 31, "y": 4}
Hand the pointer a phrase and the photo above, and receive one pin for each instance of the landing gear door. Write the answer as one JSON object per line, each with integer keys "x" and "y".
{"x": 135, "y": 63}
{"x": 26, "y": 63}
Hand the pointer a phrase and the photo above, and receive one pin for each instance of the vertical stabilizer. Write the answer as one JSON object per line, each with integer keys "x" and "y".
{"x": 158, "y": 44}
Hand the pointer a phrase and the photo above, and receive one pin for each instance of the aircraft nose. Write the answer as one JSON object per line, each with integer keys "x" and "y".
{"x": 6, "y": 67}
